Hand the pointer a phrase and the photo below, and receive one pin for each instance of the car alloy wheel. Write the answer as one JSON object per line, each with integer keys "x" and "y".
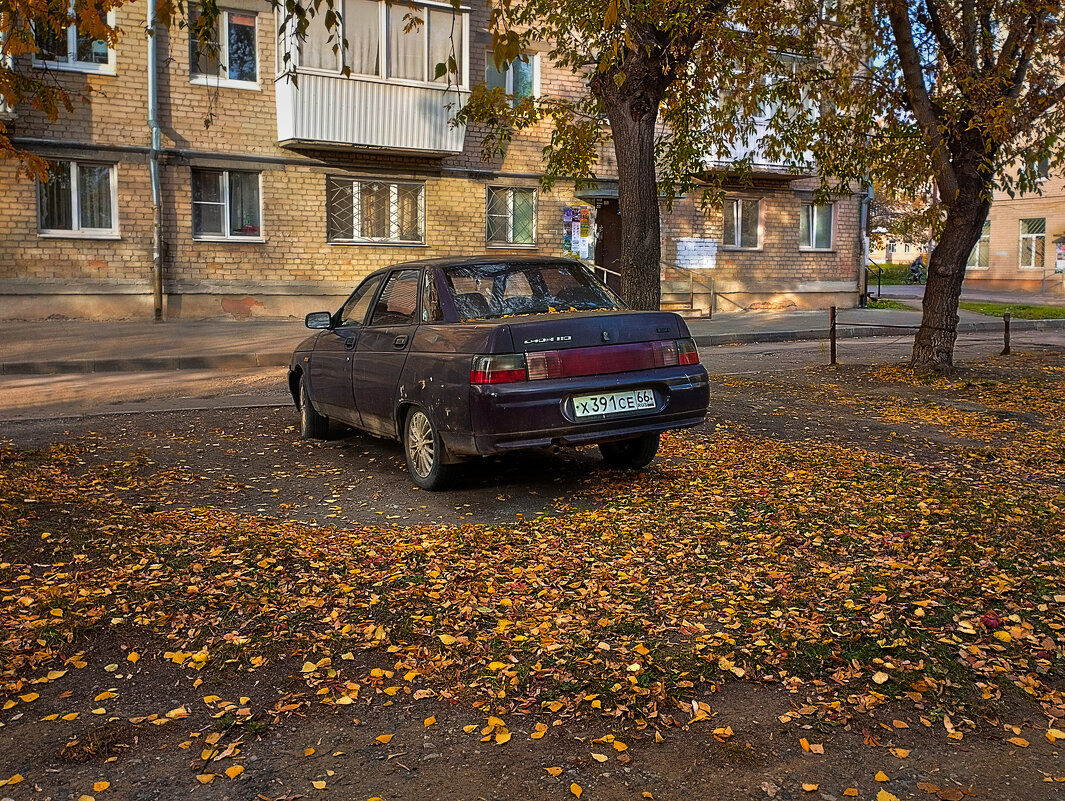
{"x": 425, "y": 452}
{"x": 421, "y": 445}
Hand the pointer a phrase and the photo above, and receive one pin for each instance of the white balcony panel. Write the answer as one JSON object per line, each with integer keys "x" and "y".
{"x": 347, "y": 111}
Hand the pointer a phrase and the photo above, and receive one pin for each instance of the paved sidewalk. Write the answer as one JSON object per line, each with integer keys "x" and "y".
{"x": 82, "y": 346}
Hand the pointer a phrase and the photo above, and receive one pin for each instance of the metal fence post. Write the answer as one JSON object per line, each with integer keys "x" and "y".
{"x": 1005, "y": 334}
{"x": 831, "y": 334}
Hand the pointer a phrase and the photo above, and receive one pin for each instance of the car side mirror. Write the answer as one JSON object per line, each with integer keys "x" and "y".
{"x": 319, "y": 320}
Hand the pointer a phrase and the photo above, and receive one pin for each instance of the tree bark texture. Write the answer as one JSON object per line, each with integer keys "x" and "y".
{"x": 933, "y": 346}
{"x": 632, "y": 109}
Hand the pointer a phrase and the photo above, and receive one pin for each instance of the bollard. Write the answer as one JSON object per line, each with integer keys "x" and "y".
{"x": 1005, "y": 334}
{"x": 831, "y": 334}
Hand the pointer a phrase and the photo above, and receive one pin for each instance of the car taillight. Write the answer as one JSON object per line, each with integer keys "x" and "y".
{"x": 687, "y": 353}
{"x": 503, "y": 368}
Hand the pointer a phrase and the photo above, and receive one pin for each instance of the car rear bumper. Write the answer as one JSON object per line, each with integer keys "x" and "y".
{"x": 532, "y": 414}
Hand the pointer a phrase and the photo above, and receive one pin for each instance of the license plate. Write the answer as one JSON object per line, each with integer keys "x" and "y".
{"x": 613, "y": 403}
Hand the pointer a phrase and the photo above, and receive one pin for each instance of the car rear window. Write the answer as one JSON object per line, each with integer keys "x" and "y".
{"x": 483, "y": 291}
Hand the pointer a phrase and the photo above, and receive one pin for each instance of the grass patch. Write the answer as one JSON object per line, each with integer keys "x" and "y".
{"x": 1019, "y": 311}
{"x": 890, "y": 275}
{"x": 888, "y": 304}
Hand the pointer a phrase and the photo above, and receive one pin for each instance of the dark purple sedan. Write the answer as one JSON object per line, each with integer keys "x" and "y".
{"x": 460, "y": 358}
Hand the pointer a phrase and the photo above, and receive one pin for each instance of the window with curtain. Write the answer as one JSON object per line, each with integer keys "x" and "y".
{"x": 231, "y": 53}
{"x": 72, "y": 48}
{"x": 372, "y": 34}
{"x": 980, "y": 257}
{"x": 1032, "y": 243}
{"x": 815, "y": 226}
{"x": 516, "y": 80}
{"x": 78, "y": 198}
{"x": 226, "y": 204}
{"x": 740, "y": 229}
{"x": 374, "y": 211}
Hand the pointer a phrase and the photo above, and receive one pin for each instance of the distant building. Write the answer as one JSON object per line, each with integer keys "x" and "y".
{"x": 296, "y": 190}
{"x": 1023, "y": 242}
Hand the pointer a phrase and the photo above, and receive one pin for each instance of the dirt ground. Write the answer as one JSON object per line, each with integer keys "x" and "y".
{"x": 151, "y": 729}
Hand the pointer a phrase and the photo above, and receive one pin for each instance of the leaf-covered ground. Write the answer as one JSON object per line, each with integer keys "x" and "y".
{"x": 855, "y": 579}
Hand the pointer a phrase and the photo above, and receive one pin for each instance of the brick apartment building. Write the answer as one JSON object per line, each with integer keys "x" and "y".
{"x": 1023, "y": 242}
{"x": 295, "y": 190}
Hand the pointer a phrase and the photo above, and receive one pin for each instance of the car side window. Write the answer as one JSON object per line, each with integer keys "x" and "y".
{"x": 398, "y": 300}
{"x": 354, "y": 310}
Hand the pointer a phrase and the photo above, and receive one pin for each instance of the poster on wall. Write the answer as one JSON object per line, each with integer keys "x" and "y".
{"x": 1059, "y": 263}
{"x": 577, "y": 231}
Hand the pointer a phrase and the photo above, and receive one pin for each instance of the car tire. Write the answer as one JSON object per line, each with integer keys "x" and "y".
{"x": 312, "y": 424}
{"x": 630, "y": 454}
{"x": 424, "y": 452}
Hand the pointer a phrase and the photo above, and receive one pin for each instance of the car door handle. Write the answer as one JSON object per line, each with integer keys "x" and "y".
{"x": 349, "y": 343}
{"x": 400, "y": 343}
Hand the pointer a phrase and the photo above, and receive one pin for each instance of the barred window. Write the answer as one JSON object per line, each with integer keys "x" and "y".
{"x": 511, "y": 216}
{"x": 375, "y": 211}
{"x": 1033, "y": 243}
{"x": 980, "y": 256}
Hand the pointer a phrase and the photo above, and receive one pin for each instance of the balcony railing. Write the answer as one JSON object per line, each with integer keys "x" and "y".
{"x": 332, "y": 110}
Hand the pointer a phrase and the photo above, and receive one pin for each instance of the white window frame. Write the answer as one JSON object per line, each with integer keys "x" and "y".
{"x": 1023, "y": 247}
{"x": 534, "y": 63}
{"x": 218, "y": 80}
{"x": 226, "y": 236}
{"x": 77, "y": 231}
{"x": 510, "y": 243}
{"x": 72, "y": 64}
{"x": 383, "y": 45}
{"x": 985, "y": 238}
{"x": 739, "y": 226}
{"x": 810, "y": 246}
{"x": 393, "y": 224}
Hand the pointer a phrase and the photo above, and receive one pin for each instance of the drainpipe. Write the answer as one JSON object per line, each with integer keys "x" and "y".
{"x": 863, "y": 232}
{"x": 153, "y": 166}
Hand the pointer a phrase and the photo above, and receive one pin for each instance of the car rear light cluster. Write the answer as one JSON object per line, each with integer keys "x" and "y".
{"x": 508, "y": 368}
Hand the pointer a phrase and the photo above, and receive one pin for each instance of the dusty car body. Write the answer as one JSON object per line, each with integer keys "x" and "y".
{"x": 462, "y": 358}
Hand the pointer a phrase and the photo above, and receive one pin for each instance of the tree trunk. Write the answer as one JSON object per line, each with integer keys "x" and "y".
{"x": 632, "y": 110}
{"x": 933, "y": 347}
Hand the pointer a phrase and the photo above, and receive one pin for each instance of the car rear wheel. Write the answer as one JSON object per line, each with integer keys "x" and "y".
{"x": 630, "y": 454}
{"x": 312, "y": 424}
{"x": 424, "y": 452}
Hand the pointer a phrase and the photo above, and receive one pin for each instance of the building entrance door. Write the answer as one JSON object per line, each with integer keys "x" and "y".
{"x": 608, "y": 243}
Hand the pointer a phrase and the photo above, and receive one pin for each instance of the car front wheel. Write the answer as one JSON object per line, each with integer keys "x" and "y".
{"x": 630, "y": 454}
{"x": 312, "y": 424}
{"x": 424, "y": 452}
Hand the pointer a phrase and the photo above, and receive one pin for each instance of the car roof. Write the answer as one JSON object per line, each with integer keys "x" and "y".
{"x": 469, "y": 261}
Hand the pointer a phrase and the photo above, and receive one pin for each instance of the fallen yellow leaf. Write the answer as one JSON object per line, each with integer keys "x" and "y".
{"x": 308, "y": 752}
{"x": 810, "y": 787}
{"x": 851, "y": 792}
{"x": 1020, "y": 742}
{"x": 234, "y": 770}
{"x": 901, "y": 753}
{"x": 447, "y": 639}
{"x": 884, "y": 795}
{"x": 502, "y": 737}
{"x": 576, "y": 789}
{"x": 429, "y": 721}
{"x": 555, "y": 771}
{"x": 319, "y": 784}
{"x": 133, "y": 656}
{"x": 880, "y": 677}
{"x": 17, "y": 778}
{"x": 28, "y": 697}
{"x": 493, "y": 666}
{"x": 206, "y": 778}
{"x": 881, "y": 776}
{"x": 470, "y": 729}
{"x": 384, "y": 739}
{"x": 619, "y": 746}
{"x": 599, "y": 757}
